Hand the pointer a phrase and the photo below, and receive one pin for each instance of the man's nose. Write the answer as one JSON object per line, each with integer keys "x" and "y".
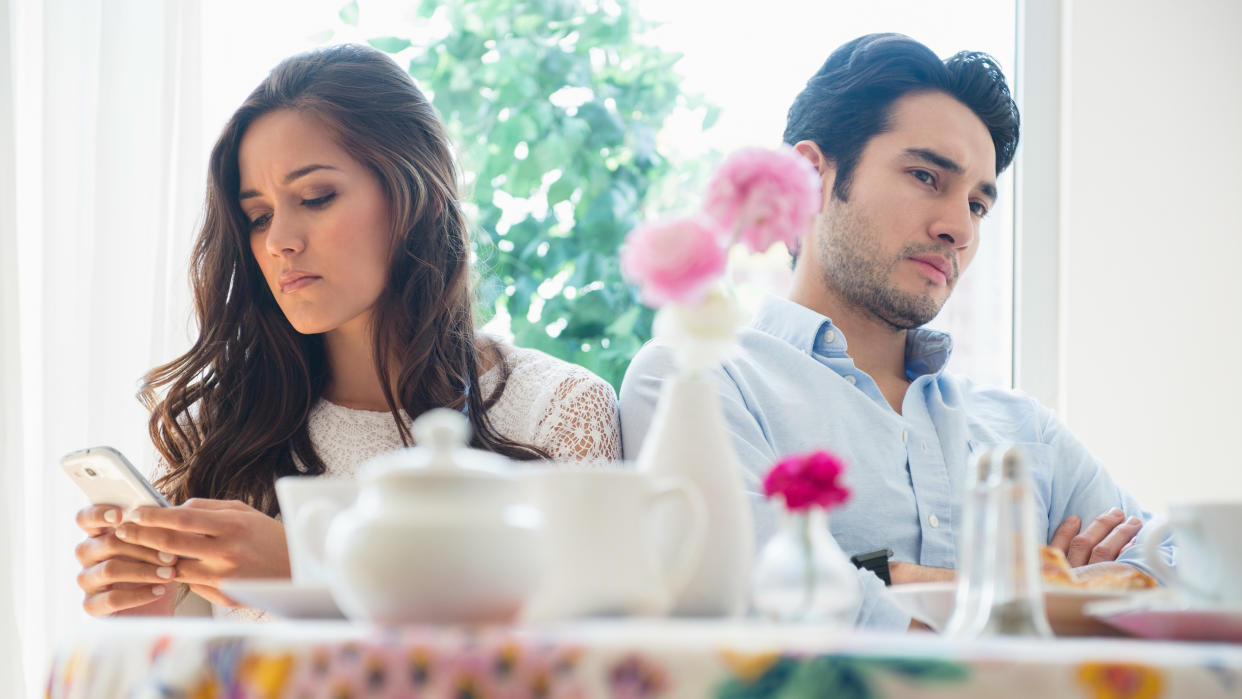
{"x": 955, "y": 225}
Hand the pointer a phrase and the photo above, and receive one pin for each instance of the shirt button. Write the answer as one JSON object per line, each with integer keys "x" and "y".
{"x": 850, "y": 379}
{"x": 905, "y": 436}
{"x": 934, "y": 521}
{"x": 830, "y": 336}
{"x": 924, "y": 446}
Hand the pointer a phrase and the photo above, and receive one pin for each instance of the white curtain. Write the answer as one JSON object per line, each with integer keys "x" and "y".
{"x": 10, "y": 388}
{"x": 102, "y": 183}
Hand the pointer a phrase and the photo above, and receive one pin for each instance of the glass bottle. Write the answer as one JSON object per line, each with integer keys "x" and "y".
{"x": 1013, "y": 592}
{"x": 802, "y": 574}
{"x": 973, "y": 558}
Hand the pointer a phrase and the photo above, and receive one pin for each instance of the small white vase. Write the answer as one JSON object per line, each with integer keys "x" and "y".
{"x": 689, "y": 440}
{"x": 802, "y": 575}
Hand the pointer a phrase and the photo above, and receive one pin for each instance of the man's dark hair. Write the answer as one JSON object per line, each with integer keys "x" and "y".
{"x": 850, "y": 98}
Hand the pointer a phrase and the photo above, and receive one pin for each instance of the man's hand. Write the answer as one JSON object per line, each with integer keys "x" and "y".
{"x": 1102, "y": 541}
{"x": 901, "y": 573}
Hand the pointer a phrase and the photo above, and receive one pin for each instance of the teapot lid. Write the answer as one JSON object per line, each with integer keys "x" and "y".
{"x": 441, "y": 436}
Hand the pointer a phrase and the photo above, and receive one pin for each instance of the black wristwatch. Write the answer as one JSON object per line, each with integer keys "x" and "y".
{"x": 876, "y": 562}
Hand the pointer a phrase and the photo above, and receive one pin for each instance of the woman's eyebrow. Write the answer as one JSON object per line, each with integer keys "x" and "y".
{"x": 289, "y": 179}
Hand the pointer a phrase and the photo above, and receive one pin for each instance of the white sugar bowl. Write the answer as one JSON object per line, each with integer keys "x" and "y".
{"x": 440, "y": 533}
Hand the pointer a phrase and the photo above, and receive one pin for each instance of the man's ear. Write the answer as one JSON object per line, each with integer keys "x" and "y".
{"x": 822, "y": 164}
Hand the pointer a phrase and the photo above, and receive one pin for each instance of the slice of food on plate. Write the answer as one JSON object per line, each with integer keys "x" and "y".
{"x": 1057, "y": 571}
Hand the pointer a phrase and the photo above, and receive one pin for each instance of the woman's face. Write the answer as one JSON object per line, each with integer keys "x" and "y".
{"x": 319, "y": 222}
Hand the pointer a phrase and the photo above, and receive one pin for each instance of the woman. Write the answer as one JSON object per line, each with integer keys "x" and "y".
{"x": 332, "y": 288}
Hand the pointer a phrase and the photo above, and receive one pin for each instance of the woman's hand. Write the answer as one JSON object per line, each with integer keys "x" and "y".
{"x": 119, "y": 577}
{"x": 214, "y": 539}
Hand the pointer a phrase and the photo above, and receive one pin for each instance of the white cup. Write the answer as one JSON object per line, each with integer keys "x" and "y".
{"x": 307, "y": 506}
{"x": 599, "y": 553}
{"x": 1209, "y": 554}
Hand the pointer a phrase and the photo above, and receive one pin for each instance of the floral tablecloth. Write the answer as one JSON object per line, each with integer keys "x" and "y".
{"x": 632, "y": 658}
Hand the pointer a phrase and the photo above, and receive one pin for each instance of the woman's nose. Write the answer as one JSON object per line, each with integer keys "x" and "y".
{"x": 284, "y": 236}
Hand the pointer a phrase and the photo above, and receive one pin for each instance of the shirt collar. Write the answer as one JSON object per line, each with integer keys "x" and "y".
{"x": 927, "y": 350}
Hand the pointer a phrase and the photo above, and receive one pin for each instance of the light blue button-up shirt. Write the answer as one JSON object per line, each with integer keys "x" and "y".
{"x": 792, "y": 387}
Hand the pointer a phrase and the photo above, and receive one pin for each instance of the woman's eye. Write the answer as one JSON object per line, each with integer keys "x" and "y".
{"x": 924, "y": 176}
{"x": 319, "y": 202}
{"x": 260, "y": 223}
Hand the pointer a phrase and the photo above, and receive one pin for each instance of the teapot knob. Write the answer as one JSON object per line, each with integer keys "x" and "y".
{"x": 442, "y": 430}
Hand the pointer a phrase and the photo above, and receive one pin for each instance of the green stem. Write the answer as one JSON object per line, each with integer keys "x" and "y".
{"x": 808, "y": 591}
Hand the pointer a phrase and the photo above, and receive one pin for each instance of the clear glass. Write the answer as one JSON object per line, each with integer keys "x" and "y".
{"x": 974, "y": 559}
{"x": 1013, "y": 592}
{"x": 802, "y": 575}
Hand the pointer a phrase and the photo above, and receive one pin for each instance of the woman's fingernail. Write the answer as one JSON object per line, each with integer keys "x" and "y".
{"x": 112, "y": 516}
{"x": 1115, "y": 511}
{"x": 122, "y": 533}
{"x": 164, "y": 572}
{"x": 158, "y": 590}
{"x": 166, "y": 557}
{"x": 1135, "y": 520}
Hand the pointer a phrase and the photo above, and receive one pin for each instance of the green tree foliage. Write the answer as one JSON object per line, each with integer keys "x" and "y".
{"x": 554, "y": 106}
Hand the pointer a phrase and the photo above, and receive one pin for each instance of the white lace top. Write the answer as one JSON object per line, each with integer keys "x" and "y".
{"x": 559, "y": 407}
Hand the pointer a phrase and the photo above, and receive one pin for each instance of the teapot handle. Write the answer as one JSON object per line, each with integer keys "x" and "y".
{"x": 1164, "y": 572}
{"x": 310, "y": 527}
{"x": 690, "y": 553}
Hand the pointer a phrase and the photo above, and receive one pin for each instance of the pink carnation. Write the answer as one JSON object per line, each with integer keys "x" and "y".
{"x": 764, "y": 196}
{"x": 808, "y": 480}
{"x": 673, "y": 260}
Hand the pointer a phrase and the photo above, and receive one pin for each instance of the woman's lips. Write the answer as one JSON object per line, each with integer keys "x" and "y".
{"x": 288, "y": 287}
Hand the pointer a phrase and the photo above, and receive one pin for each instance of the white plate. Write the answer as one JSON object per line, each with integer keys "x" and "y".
{"x": 283, "y": 598}
{"x": 932, "y": 604}
{"x": 1163, "y": 615}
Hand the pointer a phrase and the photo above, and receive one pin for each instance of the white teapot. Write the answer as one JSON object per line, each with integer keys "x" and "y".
{"x": 440, "y": 533}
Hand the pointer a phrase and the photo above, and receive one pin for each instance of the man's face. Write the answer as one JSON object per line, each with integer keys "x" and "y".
{"x": 910, "y": 226}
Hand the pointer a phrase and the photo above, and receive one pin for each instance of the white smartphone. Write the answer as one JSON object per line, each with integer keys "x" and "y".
{"x": 108, "y": 478}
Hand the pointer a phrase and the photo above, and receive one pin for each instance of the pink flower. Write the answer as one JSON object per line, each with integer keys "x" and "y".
{"x": 764, "y": 196}
{"x": 808, "y": 480}
{"x": 673, "y": 260}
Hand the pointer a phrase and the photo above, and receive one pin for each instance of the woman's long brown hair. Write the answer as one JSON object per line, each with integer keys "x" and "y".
{"x": 230, "y": 415}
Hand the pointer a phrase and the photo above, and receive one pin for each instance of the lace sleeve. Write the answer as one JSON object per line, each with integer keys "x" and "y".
{"x": 581, "y": 423}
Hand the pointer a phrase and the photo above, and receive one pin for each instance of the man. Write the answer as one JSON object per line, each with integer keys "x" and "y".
{"x": 908, "y": 148}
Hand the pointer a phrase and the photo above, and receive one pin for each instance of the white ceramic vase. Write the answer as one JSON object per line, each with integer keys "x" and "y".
{"x": 688, "y": 440}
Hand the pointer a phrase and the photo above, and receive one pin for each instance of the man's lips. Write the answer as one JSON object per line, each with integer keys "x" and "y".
{"x": 934, "y": 267}
{"x": 292, "y": 281}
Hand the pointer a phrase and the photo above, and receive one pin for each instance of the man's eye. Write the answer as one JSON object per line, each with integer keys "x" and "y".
{"x": 924, "y": 176}
{"x": 978, "y": 209}
{"x": 319, "y": 202}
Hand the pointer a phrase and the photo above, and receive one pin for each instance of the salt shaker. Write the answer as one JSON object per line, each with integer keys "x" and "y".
{"x": 1012, "y": 594}
{"x": 973, "y": 558}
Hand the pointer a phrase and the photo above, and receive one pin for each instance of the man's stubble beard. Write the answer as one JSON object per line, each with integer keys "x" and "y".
{"x": 848, "y": 247}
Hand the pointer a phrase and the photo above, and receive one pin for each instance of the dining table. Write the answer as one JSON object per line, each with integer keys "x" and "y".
{"x": 615, "y": 657}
